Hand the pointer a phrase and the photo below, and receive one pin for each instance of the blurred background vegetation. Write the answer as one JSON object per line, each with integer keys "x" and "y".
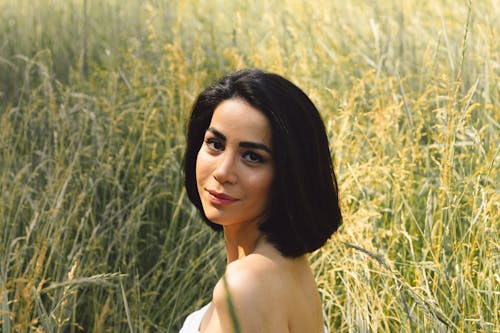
{"x": 96, "y": 233}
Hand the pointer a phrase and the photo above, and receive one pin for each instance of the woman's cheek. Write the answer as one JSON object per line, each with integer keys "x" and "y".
{"x": 203, "y": 165}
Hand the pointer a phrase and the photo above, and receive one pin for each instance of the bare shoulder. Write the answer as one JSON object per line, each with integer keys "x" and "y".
{"x": 248, "y": 280}
{"x": 268, "y": 294}
{"x": 250, "y": 285}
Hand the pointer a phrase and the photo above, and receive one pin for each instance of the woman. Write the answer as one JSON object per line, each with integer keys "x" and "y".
{"x": 258, "y": 167}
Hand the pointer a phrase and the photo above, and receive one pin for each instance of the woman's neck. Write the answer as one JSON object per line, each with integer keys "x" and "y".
{"x": 241, "y": 240}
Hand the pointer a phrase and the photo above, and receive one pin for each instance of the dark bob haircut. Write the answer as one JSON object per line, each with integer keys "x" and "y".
{"x": 304, "y": 209}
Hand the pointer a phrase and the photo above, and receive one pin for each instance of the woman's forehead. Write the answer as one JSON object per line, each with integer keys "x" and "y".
{"x": 236, "y": 119}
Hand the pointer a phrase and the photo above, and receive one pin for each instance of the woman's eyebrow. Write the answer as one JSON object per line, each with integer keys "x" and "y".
{"x": 217, "y": 133}
{"x": 254, "y": 145}
{"x": 243, "y": 144}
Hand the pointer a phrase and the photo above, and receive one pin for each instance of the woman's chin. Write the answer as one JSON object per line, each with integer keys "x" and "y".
{"x": 217, "y": 218}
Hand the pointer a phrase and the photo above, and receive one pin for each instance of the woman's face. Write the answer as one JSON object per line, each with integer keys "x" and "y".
{"x": 234, "y": 167}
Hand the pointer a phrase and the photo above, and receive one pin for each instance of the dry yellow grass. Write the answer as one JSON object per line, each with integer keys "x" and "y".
{"x": 96, "y": 233}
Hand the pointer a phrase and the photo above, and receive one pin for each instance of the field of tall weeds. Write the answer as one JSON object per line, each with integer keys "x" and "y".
{"x": 96, "y": 232}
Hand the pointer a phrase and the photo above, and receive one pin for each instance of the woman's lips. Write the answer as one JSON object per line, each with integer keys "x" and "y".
{"x": 221, "y": 199}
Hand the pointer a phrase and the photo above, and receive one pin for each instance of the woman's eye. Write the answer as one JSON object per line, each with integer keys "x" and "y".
{"x": 214, "y": 144}
{"x": 253, "y": 157}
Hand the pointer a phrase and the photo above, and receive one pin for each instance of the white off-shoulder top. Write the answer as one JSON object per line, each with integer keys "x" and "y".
{"x": 193, "y": 321}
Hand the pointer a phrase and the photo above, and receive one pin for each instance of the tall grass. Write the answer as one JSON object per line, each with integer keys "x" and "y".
{"x": 96, "y": 233}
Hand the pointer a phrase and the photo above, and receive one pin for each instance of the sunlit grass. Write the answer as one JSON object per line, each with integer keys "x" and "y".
{"x": 96, "y": 232}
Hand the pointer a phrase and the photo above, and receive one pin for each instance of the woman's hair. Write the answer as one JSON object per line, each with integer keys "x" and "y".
{"x": 304, "y": 209}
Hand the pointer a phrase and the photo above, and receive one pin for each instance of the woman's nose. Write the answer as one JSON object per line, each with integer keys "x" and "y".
{"x": 225, "y": 169}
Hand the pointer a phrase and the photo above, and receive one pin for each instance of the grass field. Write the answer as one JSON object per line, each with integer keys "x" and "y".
{"x": 96, "y": 232}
